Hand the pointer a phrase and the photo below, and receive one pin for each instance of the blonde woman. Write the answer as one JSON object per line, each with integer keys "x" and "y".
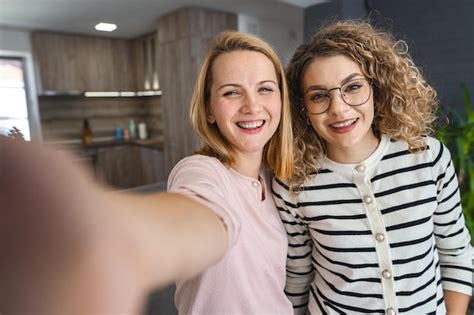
{"x": 241, "y": 112}
{"x": 74, "y": 247}
{"x": 373, "y": 210}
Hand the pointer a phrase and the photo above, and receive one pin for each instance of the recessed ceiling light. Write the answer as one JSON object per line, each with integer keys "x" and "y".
{"x": 106, "y": 27}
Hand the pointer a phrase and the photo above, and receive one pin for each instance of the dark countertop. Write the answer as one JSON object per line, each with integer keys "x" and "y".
{"x": 147, "y": 189}
{"x": 150, "y": 143}
{"x": 153, "y": 143}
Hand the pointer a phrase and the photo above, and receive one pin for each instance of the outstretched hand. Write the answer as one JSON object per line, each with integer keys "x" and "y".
{"x": 59, "y": 247}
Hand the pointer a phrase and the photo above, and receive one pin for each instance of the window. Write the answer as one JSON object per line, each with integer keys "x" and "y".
{"x": 13, "y": 107}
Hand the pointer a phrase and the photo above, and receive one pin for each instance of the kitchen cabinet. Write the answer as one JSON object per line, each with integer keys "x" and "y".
{"x": 153, "y": 162}
{"x": 126, "y": 166}
{"x": 68, "y": 63}
{"x": 146, "y": 61}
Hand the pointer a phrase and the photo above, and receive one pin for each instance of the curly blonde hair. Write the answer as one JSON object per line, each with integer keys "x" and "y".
{"x": 405, "y": 104}
{"x": 278, "y": 152}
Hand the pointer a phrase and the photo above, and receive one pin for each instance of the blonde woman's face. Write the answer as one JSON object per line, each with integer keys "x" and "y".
{"x": 331, "y": 83}
{"x": 245, "y": 100}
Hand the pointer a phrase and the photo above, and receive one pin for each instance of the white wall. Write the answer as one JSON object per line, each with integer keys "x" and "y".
{"x": 11, "y": 39}
{"x": 283, "y": 37}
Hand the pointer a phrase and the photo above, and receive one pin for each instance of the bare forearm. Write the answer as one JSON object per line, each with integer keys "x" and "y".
{"x": 175, "y": 236}
{"x": 456, "y": 302}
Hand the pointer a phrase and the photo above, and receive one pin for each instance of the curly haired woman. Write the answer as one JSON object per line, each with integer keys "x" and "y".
{"x": 373, "y": 211}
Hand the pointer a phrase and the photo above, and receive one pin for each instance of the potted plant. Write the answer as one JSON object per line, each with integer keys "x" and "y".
{"x": 458, "y": 136}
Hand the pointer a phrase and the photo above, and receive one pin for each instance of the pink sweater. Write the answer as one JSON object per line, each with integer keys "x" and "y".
{"x": 250, "y": 278}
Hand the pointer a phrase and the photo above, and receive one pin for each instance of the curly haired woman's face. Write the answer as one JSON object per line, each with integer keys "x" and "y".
{"x": 346, "y": 130}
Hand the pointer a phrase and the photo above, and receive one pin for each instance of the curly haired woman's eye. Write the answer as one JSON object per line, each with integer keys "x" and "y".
{"x": 354, "y": 86}
{"x": 319, "y": 97}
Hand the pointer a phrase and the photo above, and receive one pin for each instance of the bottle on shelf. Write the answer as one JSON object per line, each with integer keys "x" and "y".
{"x": 118, "y": 134}
{"x": 86, "y": 132}
{"x": 132, "y": 128}
{"x": 126, "y": 135}
{"x": 142, "y": 133}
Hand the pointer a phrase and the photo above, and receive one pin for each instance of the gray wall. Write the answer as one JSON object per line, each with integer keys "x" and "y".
{"x": 12, "y": 39}
{"x": 317, "y": 15}
{"x": 320, "y": 14}
{"x": 439, "y": 33}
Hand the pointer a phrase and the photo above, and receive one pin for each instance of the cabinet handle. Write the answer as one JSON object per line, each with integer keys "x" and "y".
{"x": 145, "y": 65}
{"x": 154, "y": 69}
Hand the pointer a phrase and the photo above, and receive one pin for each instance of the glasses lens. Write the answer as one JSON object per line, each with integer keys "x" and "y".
{"x": 317, "y": 101}
{"x": 356, "y": 92}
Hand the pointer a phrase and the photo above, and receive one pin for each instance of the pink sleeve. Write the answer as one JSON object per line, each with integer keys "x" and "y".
{"x": 204, "y": 180}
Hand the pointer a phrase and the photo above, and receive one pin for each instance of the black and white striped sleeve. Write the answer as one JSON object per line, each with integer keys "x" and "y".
{"x": 299, "y": 269}
{"x": 451, "y": 235}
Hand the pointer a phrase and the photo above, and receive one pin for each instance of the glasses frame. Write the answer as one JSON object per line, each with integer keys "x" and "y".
{"x": 371, "y": 83}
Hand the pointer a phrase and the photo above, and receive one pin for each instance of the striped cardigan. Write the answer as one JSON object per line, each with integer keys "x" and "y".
{"x": 383, "y": 236}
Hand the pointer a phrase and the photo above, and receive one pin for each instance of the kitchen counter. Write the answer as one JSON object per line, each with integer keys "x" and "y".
{"x": 153, "y": 143}
{"x": 88, "y": 152}
{"x": 121, "y": 164}
{"x": 147, "y": 189}
{"x": 150, "y": 143}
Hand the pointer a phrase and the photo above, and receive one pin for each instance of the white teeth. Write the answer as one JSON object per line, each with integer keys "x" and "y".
{"x": 344, "y": 123}
{"x": 251, "y": 125}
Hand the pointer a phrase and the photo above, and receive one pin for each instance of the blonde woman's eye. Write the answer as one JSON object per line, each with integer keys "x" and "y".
{"x": 265, "y": 89}
{"x": 230, "y": 93}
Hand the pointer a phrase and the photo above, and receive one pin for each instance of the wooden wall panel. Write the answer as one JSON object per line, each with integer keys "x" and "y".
{"x": 183, "y": 40}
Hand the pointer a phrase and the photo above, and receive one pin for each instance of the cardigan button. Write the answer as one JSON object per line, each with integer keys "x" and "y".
{"x": 390, "y": 311}
{"x": 368, "y": 199}
{"x": 379, "y": 237}
{"x": 386, "y": 274}
{"x": 360, "y": 168}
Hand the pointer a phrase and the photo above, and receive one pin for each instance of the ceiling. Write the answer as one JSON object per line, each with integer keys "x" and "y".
{"x": 133, "y": 17}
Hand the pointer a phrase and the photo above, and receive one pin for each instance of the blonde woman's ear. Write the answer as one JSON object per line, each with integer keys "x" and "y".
{"x": 211, "y": 119}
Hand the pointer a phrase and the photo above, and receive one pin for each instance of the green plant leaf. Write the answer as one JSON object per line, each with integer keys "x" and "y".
{"x": 458, "y": 136}
{"x": 467, "y": 102}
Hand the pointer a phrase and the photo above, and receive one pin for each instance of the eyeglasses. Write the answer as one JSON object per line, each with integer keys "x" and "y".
{"x": 355, "y": 92}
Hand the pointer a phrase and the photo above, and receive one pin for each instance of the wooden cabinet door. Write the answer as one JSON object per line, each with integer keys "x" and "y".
{"x": 120, "y": 166}
{"x": 127, "y": 166}
{"x": 123, "y": 66}
{"x": 153, "y": 165}
{"x": 54, "y": 58}
{"x": 146, "y": 62}
{"x": 83, "y": 63}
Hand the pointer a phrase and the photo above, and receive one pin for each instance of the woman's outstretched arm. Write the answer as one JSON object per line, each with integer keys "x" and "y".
{"x": 70, "y": 246}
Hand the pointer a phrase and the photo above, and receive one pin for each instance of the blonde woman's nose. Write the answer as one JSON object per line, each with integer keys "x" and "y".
{"x": 251, "y": 104}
